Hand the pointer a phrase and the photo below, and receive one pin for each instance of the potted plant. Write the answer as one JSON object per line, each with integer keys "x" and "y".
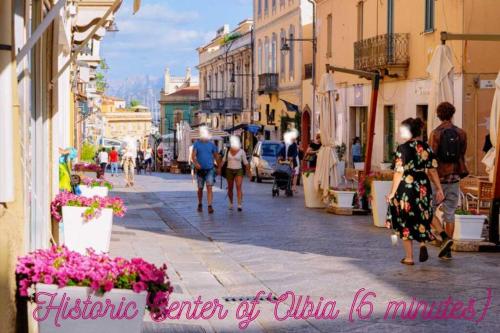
{"x": 86, "y": 222}
{"x": 342, "y": 197}
{"x": 96, "y": 293}
{"x": 374, "y": 188}
{"x": 312, "y": 197}
{"x": 468, "y": 225}
{"x": 88, "y": 169}
{"x": 341, "y": 149}
{"x": 91, "y": 187}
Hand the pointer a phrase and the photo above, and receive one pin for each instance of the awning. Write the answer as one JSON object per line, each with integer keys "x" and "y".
{"x": 247, "y": 127}
{"x": 290, "y": 106}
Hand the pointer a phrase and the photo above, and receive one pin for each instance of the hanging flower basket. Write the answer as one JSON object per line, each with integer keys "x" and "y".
{"x": 58, "y": 275}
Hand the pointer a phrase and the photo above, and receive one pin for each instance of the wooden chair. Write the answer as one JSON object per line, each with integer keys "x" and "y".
{"x": 482, "y": 201}
{"x": 469, "y": 188}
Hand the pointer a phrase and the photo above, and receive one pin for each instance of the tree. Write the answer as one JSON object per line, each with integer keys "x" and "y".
{"x": 134, "y": 103}
{"x": 100, "y": 77}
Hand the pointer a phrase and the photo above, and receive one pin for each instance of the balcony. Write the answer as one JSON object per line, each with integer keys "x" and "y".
{"x": 233, "y": 105}
{"x": 217, "y": 105}
{"x": 268, "y": 83}
{"x": 205, "y": 106}
{"x": 385, "y": 53}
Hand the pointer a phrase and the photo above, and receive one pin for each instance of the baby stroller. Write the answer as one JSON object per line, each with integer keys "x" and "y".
{"x": 282, "y": 179}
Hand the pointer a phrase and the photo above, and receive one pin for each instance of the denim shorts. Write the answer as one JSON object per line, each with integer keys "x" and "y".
{"x": 451, "y": 200}
{"x": 205, "y": 177}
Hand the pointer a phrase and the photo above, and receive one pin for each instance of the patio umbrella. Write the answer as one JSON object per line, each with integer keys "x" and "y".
{"x": 184, "y": 141}
{"x": 489, "y": 159}
{"x": 326, "y": 166}
{"x": 441, "y": 72}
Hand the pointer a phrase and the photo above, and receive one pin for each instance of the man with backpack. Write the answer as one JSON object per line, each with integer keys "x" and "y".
{"x": 449, "y": 143}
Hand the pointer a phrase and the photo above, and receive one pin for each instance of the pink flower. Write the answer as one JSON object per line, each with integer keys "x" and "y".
{"x": 139, "y": 286}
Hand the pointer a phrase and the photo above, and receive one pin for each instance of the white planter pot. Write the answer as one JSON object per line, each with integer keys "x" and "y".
{"x": 380, "y": 189}
{"x": 90, "y": 192}
{"x": 342, "y": 199}
{"x": 78, "y": 235}
{"x": 312, "y": 198}
{"x": 469, "y": 227}
{"x": 52, "y": 295}
{"x": 359, "y": 165}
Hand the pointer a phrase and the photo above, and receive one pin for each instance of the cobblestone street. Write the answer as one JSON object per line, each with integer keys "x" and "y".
{"x": 277, "y": 245}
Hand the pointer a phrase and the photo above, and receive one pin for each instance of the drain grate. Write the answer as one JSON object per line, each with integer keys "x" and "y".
{"x": 267, "y": 298}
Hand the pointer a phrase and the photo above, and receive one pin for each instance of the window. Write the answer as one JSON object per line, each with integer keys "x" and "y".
{"x": 282, "y": 3}
{"x": 266, "y": 7}
{"x": 259, "y": 8}
{"x": 274, "y": 6}
{"x": 260, "y": 63}
{"x": 274, "y": 54}
{"x": 282, "y": 54}
{"x": 429, "y": 15}
{"x": 360, "y": 20}
{"x": 291, "y": 60}
{"x": 267, "y": 63}
{"x": 329, "y": 27}
{"x": 389, "y": 124}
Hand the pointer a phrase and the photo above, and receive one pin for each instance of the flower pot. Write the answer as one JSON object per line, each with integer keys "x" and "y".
{"x": 131, "y": 311}
{"x": 469, "y": 227}
{"x": 312, "y": 197}
{"x": 342, "y": 199}
{"x": 359, "y": 165}
{"x": 379, "y": 190}
{"x": 78, "y": 234}
{"x": 90, "y": 192}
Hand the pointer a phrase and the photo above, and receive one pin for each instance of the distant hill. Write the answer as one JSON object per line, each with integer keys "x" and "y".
{"x": 145, "y": 89}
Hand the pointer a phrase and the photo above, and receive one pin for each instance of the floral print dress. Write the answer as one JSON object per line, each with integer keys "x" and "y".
{"x": 410, "y": 210}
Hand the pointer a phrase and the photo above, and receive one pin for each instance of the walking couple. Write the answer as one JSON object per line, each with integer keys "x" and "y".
{"x": 208, "y": 162}
{"x": 413, "y": 199}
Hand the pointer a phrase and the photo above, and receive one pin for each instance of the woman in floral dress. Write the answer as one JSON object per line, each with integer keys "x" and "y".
{"x": 410, "y": 208}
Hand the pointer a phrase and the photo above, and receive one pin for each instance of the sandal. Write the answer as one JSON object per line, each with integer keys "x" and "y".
{"x": 409, "y": 263}
{"x": 200, "y": 207}
{"x": 424, "y": 255}
{"x": 210, "y": 210}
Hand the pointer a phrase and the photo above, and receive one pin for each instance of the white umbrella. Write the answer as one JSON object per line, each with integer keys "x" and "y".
{"x": 184, "y": 141}
{"x": 489, "y": 159}
{"x": 326, "y": 166}
{"x": 441, "y": 72}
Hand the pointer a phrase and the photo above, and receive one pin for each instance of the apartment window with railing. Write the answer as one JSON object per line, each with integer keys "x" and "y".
{"x": 259, "y": 8}
{"x": 282, "y": 55}
{"x": 274, "y": 52}
{"x": 329, "y": 42}
{"x": 291, "y": 60}
{"x": 429, "y": 15}
{"x": 274, "y": 6}
{"x": 266, "y": 7}
{"x": 267, "y": 63}
{"x": 360, "y": 19}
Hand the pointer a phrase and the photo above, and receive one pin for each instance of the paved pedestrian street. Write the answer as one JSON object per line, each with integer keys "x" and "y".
{"x": 276, "y": 245}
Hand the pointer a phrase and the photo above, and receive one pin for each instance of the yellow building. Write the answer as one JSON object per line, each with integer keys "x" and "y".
{"x": 280, "y": 74}
{"x": 397, "y": 38}
{"x": 122, "y": 123}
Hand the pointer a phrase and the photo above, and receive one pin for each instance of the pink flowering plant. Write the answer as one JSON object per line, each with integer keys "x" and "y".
{"x": 94, "y": 205}
{"x": 91, "y": 182}
{"x": 101, "y": 273}
{"x": 90, "y": 167}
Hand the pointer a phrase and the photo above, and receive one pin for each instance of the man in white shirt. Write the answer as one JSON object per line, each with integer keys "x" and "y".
{"x": 103, "y": 159}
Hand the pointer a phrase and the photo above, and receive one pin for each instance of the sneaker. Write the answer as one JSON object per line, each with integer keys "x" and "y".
{"x": 210, "y": 210}
{"x": 447, "y": 256}
{"x": 240, "y": 208}
{"x": 200, "y": 207}
{"x": 445, "y": 247}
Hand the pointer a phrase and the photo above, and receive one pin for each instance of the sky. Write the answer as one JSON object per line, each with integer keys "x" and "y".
{"x": 166, "y": 33}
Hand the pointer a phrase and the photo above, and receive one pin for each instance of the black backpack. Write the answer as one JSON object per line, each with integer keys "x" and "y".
{"x": 449, "y": 146}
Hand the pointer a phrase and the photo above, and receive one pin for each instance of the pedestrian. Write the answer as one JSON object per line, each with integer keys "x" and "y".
{"x": 356, "y": 150}
{"x": 450, "y": 144}
{"x": 139, "y": 160}
{"x": 128, "y": 164}
{"x": 113, "y": 159}
{"x": 290, "y": 152}
{"x": 103, "y": 159}
{"x": 205, "y": 158}
{"x": 237, "y": 166}
{"x": 191, "y": 164}
{"x": 311, "y": 155}
{"x": 410, "y": 210}
{"x": 148, "y": 159}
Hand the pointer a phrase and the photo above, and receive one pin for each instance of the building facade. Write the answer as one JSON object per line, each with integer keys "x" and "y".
{"x": 280, "y": 73}
{"x": 397, "y": 38}
{"x": 132, "y": 123}
{"x": 226, "y": 84}
{"x": 179, "y": 105}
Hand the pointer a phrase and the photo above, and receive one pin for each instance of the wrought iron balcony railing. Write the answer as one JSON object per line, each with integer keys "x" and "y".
{"x": 383, "y": 52}
{"x": 233, "y": 104}
{"x": 205, "y": 106}
{"x": 268, "y": 83}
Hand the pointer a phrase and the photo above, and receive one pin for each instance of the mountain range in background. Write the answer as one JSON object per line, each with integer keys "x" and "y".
{"x": 146, "y": 89}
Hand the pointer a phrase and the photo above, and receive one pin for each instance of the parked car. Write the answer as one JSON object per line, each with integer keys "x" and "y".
{"x": 264, "y": 159}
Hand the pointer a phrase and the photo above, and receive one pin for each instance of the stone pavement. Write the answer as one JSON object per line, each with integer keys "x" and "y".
{"x": 276, "y": 245}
